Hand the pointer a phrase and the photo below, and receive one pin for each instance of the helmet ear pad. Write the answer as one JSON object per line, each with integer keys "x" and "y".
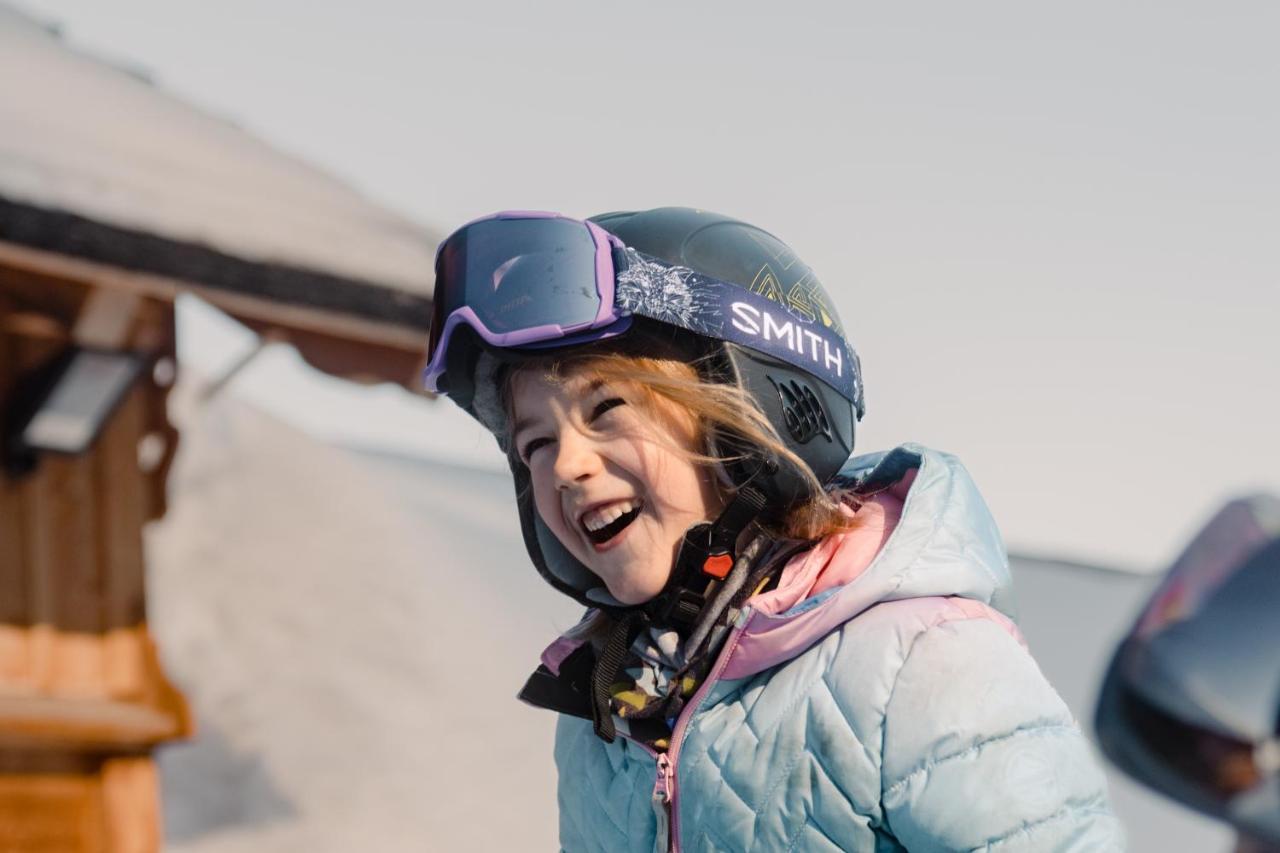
{"x": 813, "y": 420}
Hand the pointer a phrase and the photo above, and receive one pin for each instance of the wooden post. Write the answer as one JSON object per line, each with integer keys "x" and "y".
{"x": 83, "y": 700}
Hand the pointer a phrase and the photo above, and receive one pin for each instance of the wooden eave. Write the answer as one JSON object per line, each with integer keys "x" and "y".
{"x": 345, "y": 326}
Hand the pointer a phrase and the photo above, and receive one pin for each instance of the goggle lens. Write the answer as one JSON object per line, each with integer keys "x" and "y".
{"x": 516, "y": 275}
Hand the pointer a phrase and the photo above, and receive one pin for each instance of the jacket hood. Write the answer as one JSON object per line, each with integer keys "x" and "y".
{"x": 928, "y": 534}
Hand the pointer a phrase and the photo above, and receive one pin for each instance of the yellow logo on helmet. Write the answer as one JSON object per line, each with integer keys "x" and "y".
{"x": 804, "y": 298}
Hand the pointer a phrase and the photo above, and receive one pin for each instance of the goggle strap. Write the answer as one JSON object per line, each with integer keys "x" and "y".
{"x": 620, "y": 261}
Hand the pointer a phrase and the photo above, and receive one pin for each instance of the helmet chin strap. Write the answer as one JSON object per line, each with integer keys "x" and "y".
{"x": 707, "y": 554}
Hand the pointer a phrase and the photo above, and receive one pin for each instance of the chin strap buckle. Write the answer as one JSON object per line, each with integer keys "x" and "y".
{"x": 718, "y": 565}
{"x": 707, "y": 554}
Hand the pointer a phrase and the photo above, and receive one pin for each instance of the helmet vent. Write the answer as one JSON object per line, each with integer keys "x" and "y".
{"x": 802, "y": 411}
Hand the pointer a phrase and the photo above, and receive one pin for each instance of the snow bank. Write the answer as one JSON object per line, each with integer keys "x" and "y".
{"x": 351, "y": 651}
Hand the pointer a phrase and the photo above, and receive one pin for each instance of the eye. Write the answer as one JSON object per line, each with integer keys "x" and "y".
{"x": 604, "y": 406}
{"x": 531, "y": 447}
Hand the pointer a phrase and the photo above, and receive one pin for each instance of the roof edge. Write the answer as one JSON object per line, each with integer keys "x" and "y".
{"x": 71, "y": 234}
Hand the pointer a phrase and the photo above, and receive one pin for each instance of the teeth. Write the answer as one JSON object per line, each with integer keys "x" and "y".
{"x": 598, "y": 518}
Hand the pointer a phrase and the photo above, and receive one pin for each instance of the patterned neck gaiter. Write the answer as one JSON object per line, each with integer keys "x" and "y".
{"x": 663, "y": 667}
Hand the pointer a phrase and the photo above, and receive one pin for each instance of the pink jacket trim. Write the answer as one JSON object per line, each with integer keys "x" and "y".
{"x": 837, "y": 560}
{"x": 768, "y": 641}
{"x": 774, "y": 634}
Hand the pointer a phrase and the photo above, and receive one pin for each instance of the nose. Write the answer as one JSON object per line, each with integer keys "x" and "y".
{"x": 576, "y": 459}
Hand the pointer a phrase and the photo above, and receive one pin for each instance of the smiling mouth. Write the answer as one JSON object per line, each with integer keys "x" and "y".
{"x": 602, "y": 534}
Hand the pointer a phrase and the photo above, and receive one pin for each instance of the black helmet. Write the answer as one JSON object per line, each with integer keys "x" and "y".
{"x": 1191, "y": 702}
{"x": 744, "y": 308}
{"x": 802, "y": 406}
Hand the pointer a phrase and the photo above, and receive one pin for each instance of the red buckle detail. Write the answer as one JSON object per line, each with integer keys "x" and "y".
{"x": 718, "y": 566}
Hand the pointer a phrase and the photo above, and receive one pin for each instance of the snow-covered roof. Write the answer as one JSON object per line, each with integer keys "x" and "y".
{"x": 99, "y": 163}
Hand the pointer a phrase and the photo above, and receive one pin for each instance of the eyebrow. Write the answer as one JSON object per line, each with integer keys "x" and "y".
{"x": 526, "y": 422}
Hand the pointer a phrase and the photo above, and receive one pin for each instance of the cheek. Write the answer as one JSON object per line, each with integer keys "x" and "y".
{"x": 650, "y": 461}
{"x": 546, "y": 501}
{"x": 677, "y": 484}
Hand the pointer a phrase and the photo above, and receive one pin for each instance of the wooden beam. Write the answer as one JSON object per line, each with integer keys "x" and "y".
{"x": 120, "y": 495}
{"x": 51, "y": 811}
{"x": 52, "y": 722}
{"x": 15, "y": 664}
{"x": 287, "y": 316}
{"x": 106, "y": 319}
{"x": 131, "y": 804}
{"x": 62, "y": 560}
{"x": 26, "y": 324}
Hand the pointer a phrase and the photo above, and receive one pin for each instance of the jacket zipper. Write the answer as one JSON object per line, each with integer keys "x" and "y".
{"x": 662, "y": 799}
{"x": 664, "y": 786}
{"x": 666, "y": 778}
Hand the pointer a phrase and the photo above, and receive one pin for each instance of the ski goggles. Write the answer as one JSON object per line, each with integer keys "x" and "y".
{"x": 521, "y": 279}
{"x": 529, "y": 280}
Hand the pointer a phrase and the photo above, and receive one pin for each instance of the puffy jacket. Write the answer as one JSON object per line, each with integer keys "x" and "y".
{"x": 881, "y": 698}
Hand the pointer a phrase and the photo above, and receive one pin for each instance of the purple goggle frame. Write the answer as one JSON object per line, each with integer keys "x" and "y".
{"x": 533, "y": 336}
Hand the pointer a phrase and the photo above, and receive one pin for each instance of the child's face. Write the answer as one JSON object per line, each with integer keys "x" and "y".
{"x": 608, "y": 479}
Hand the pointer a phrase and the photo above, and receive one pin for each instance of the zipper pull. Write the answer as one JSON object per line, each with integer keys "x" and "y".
{"x": 666, "y": 779}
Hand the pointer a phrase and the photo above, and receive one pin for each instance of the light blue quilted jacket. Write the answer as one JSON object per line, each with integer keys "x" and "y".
{"x": 897, "y": 711}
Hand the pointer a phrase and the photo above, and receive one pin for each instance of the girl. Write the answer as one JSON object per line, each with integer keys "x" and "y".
{"x": 783, "y": 649}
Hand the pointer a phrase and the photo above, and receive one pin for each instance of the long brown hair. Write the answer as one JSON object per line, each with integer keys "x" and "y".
{"x": 662, "y": 384}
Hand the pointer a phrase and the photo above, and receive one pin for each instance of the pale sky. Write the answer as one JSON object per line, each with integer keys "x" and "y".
{"x": 1048, "y": 227}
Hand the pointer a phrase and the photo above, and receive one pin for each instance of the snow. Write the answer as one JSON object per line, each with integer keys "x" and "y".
{"x": 351, "y": 668}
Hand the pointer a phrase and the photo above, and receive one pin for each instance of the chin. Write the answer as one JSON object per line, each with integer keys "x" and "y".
{"x": 634, "y": 596}
{"x": 638, "y": 593}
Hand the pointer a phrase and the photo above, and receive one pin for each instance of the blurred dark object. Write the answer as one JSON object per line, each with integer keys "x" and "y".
{"x": 64, "y": 407}
{"x": 1191, "y": 703}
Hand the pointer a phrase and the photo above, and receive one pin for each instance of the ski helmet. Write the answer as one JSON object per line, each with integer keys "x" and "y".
{"x": 737, "y": 300}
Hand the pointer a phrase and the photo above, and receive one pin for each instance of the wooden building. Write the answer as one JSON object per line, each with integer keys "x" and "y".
{"x": 114, "y": 199}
